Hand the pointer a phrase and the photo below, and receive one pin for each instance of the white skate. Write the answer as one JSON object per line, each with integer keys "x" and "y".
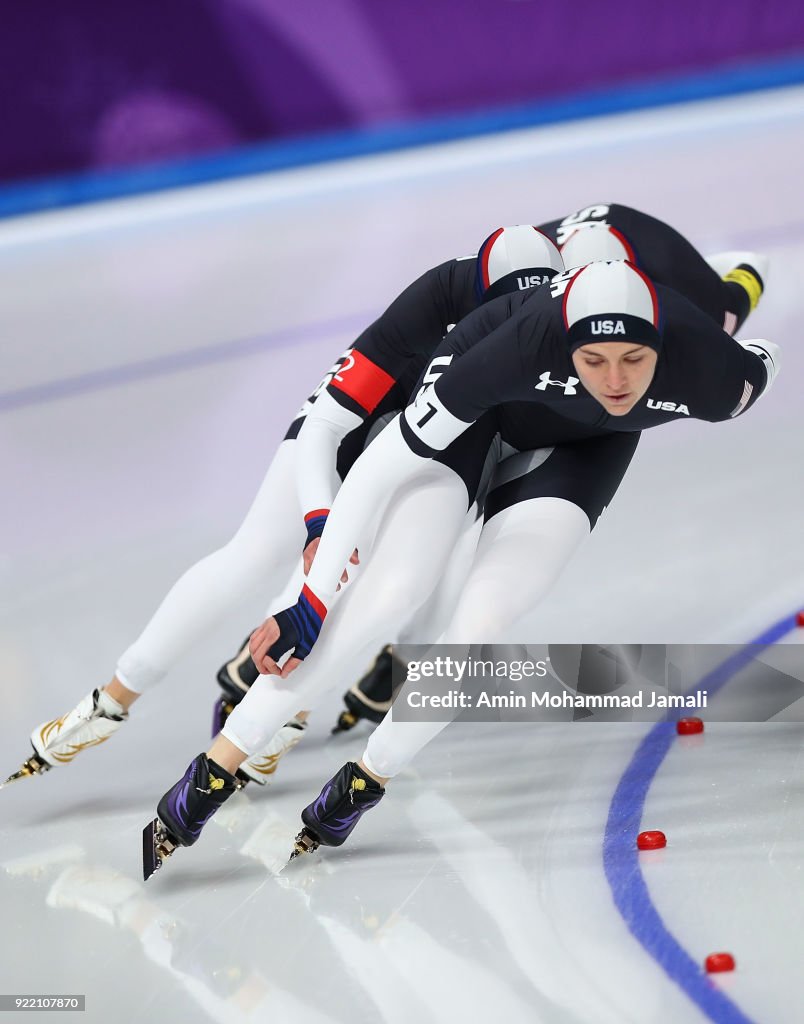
{"x": 723, "y": 263}
{"x": 58, "y": 741}
{"x": 260, "y": 767}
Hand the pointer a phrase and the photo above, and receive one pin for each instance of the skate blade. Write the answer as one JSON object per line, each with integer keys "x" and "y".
{"x": 305, "y": 842}
{"x": 33, "y": 766}
{"x": 157, "y": 846}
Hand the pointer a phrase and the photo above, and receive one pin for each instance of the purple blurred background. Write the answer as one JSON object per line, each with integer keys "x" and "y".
{"x": 90, "y": 85}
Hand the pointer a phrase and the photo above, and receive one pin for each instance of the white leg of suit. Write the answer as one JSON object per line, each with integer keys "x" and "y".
{"x": 261, "y": 555}
{"x": 411, "y": 549}
{"x": 521, "y": 553}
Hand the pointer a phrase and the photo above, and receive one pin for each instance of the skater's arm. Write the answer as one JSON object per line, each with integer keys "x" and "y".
{"x": 465, "y": 379}
{"x": 735, "y": 377}
{"x": 360, "y": 387}
{"x": 758, "y": 351}
{"x": 317, "y": 479}
{"x": 472, "y": 381}
{"x": 716, "y": 376}
{"x": 387, "y": 464}
{"x": 412, "y": 326}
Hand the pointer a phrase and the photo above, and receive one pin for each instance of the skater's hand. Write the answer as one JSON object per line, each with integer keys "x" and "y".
{"x": 263, "y": 638}
{"x": 291, "y": 631}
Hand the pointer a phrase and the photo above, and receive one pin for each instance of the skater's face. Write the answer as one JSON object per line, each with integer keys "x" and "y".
{"x": 616, "y": 373}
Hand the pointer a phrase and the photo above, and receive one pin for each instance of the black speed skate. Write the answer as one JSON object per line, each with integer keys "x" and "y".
{"x": 235, "y": 679}
{"x": 184, "y": 810}
{"x": 331, "y": 818}
{"x": 371, "y": 696}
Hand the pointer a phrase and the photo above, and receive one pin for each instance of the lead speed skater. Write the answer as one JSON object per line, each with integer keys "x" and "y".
{"x": 614, "y": 361}
{"x": 543, "y": 365}
{"x": 725, "y": 287}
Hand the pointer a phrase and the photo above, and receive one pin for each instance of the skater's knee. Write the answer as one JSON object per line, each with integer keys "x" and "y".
{"x": 245, "y": 563}
{"x": 477, "y": 625}
{"x": 398, "y": 596}
{"x": 486, "y": 612}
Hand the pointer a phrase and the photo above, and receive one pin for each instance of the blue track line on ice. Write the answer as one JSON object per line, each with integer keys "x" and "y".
{"x": 621, "y": 860}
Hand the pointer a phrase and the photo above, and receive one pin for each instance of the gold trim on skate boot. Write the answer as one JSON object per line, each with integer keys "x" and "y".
{"x": 48, "y": 727}
{"x": 33, "y": 766}
{"x": 748, "y": 281}
{"x": 305, "y": 842}
{"x": 76, "y": 748}
{"x": 267, "y": 765}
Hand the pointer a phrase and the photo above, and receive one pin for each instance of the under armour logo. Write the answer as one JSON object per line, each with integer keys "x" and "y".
{"x": 569, "y": 387}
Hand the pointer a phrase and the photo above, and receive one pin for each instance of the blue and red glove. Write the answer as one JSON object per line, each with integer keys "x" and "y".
{"x": 299, "y": 626}
{"x": 315, "y": 522}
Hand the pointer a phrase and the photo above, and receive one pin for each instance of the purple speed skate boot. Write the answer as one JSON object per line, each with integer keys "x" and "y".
{"x": 184, "y": 810}
{"x": 331, "y": 817}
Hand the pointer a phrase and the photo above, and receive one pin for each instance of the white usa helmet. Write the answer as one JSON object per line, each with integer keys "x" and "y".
{"x": 594, "y": 242}
{"x": 612, "y": 301}
{"x": 515, "y": 258}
